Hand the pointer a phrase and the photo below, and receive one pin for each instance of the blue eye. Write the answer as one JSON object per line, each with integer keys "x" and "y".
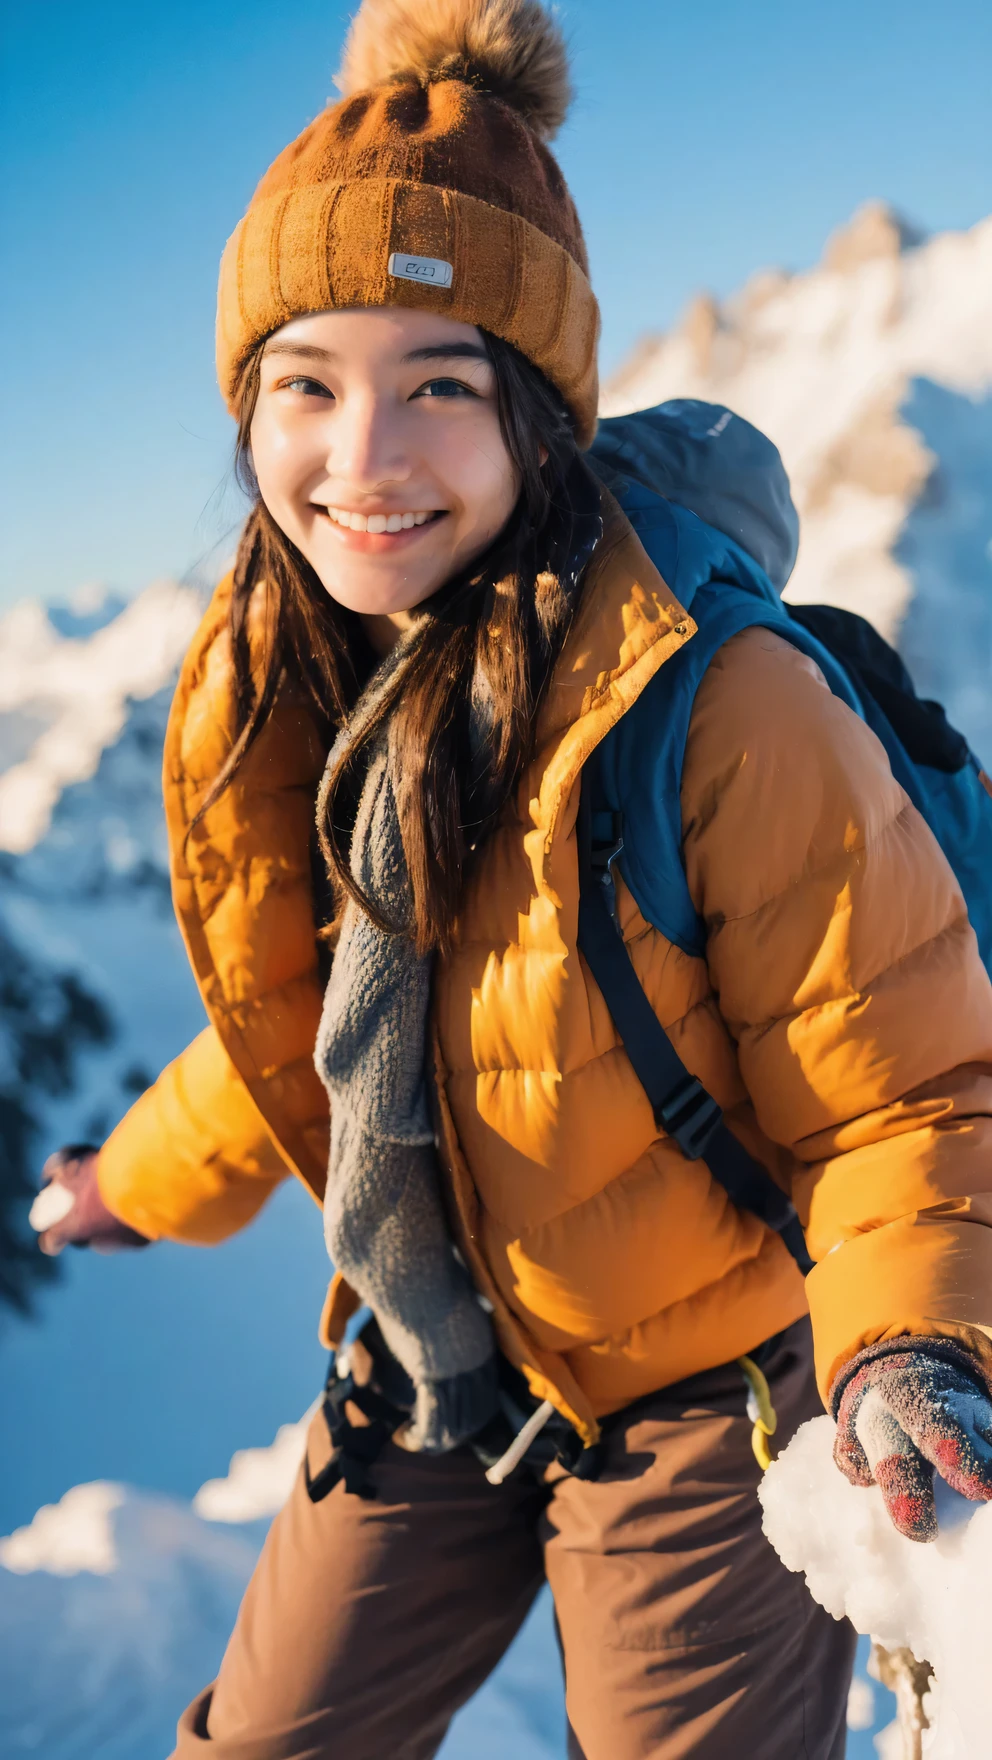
{"x": 445, "y": 388}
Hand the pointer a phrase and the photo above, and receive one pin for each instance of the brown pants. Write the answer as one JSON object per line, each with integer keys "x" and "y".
{"x": 367, "y": 1625}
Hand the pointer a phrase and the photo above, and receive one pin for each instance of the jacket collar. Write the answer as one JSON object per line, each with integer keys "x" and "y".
{"x": 627, "y": 625}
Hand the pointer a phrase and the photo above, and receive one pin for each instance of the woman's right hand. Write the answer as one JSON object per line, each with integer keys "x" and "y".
{"x": 911, "y": 1408}
{"x": 85, "y": 1221}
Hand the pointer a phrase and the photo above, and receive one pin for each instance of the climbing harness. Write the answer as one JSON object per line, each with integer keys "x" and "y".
{"x": 361, "y": 1419}
{"x": 355, "y": 1447}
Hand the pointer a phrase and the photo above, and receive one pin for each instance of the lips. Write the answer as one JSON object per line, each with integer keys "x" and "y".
{"x": 377, "y": 523}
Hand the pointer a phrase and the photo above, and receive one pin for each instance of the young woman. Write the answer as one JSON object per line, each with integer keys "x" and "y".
{"x": 438, "y": 622}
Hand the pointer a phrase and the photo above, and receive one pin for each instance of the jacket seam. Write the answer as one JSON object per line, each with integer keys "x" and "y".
{"x": 528, "y": 1069}
{"x": 765, "y": 1237}
{"x": 811, "y": 873}
{"x": 759, "y": 1029}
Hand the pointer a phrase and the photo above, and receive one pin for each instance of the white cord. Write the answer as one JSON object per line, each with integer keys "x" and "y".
{"x": 520, "y": 1444}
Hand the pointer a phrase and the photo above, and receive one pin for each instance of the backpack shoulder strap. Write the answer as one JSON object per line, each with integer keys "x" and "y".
{"x": 681, "y": 1105}
{"x": 642, "y": 755}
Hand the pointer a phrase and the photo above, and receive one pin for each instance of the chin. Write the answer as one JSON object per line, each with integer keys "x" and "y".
{"x": 378, "y": 585}
{"x": 375, "y": 597}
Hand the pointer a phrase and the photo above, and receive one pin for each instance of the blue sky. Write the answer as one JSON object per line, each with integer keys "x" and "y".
{"x": 708, "y": 140}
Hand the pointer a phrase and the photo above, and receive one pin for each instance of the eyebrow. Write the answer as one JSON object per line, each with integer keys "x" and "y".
{"x": 448, "y": 351}
{"x": 432, "y": 351}
{"x": 307, "y": 350}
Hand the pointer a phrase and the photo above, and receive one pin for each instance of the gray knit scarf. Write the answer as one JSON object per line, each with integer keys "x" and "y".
{"x": 384, "y": 1220}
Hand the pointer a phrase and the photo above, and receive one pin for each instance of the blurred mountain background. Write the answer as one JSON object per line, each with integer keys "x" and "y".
{"x": 128, "y": 1383}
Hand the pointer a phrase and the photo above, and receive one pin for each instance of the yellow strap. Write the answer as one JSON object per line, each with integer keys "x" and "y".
{"x": 760, "y": 1411}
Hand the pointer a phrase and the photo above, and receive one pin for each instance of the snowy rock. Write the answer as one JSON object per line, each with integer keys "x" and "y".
{"x": 935, "y": 1600}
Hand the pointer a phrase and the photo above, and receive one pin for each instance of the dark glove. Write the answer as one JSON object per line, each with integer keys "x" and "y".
{"x": 88, "y": 1223}
{"x": 905, "y": 1409}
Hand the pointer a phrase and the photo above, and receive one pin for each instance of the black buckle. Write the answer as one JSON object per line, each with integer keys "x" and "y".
{"x": 605, "y": 845}
{"x": 579, "y": 1461}
{"x": 606, "y": 840}
{"x": 690, "y": 1116}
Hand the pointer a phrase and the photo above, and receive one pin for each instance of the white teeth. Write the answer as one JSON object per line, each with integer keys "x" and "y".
{"x": 377, "y": 522}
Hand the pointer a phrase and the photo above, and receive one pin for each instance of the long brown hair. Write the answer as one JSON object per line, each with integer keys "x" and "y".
{"x": 490, "y": 635}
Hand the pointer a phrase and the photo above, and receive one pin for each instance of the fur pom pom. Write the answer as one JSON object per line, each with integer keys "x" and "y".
{"x": 511, "y": 48}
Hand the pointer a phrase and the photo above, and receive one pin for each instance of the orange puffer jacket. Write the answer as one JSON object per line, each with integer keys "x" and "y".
{"x": 842, "y": 1018}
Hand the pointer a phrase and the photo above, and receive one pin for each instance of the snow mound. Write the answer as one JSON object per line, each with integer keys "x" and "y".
{"x": 73, "y": 1535}
{"x": 935, "y": 1600}
{"x": 64, "y": 699}
{"x": 860, "y": 1704}
{"x": 103, "y": 1660}
{"x": 99, "y": 1655}
{"x": 116, "y": 1605}
{"x": 259, "y": 1480}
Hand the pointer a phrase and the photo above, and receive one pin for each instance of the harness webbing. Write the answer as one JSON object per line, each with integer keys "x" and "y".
{"x": 354, "y": 1448}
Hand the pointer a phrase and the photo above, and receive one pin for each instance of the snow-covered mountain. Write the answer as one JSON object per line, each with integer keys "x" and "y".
{"x": 115, "y": 1606}
{"x": 84, "y": 906}
{"x": 95, "y": 997}
{"x": 873, "y": 375}
{"x": 142, "y": 1375}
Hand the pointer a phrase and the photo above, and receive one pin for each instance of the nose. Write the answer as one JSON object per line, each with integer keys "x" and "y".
{"x": 367, "y": 449}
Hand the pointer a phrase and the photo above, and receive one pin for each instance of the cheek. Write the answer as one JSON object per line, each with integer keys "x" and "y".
{"x": 280, "y": 465}
{"x": 483, "y": 476}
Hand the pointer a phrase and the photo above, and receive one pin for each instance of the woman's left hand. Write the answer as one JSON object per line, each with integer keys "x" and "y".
{"x": 906, "y": 1411}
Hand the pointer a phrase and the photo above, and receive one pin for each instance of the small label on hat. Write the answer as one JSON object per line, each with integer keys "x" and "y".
{"x": 434, "y": 270}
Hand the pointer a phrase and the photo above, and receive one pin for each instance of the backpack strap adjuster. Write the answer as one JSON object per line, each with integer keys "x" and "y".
{"x": 605, "y": 845}
{"x": 690, "y": 1115}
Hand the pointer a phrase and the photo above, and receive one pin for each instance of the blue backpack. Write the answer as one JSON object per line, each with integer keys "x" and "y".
{"x": 709, "y": 499}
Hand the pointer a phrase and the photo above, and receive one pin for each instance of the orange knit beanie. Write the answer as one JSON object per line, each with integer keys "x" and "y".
{"x": 429, "y": 185}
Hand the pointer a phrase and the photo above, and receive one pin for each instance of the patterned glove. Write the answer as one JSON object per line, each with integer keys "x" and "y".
{"x": 904, "y": 1409}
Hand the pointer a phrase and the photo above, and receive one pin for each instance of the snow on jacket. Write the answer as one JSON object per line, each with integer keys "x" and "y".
{"x": 840, "y": 1015}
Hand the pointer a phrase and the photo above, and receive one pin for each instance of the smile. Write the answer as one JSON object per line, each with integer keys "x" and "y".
{"x": 380, "y": 522}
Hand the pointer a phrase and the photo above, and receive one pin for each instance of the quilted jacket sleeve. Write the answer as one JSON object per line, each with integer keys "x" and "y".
{"x": 221, "y": 1162}
{"x": 845, "y": 967}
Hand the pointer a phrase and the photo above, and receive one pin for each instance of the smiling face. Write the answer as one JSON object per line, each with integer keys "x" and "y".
{"x": 377, "y": 448}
